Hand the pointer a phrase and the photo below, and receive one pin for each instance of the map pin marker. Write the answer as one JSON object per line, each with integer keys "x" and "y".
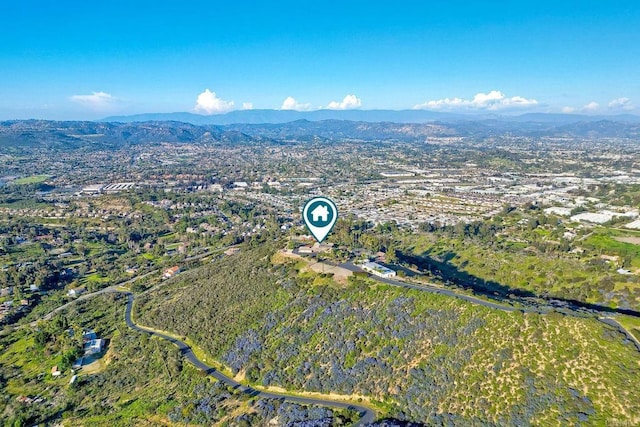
{"x": 320, "y": 215}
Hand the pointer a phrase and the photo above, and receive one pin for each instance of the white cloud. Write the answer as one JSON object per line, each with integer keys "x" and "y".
{"x": 591, "y": 107}
{"x": 568, "y": 110}
{"x": 349, "y": 102}
{"x": 99, "y": 101}
{"x": 494, "y": 100}
{"x": 209, "y": 103}
{"x": 291, "y": 104}
{"x": 621, "y": 104}
{"x": 247, "y": 105}
{"x": 445, "y": 103}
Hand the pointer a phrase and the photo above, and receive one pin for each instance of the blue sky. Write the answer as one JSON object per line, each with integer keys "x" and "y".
{"x": 87, "y": 59}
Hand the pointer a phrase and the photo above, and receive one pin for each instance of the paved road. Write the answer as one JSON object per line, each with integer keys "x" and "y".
{"x": 125, "y": 283}
{"x": 533, "y": 309}
{"x": 80, "y": 298}
{"x": 90, "y": 295}
{"x": 367, "y": 415}
{"x": 437, "y": 290}
{"x": 612, "y": 322}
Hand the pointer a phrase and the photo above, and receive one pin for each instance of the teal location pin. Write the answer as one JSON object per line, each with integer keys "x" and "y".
{"x": 320, "y": 215}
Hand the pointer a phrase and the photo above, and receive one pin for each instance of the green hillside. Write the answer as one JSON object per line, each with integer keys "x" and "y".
{"x": 138, "y": 380}
{"x": 423, "y": 357}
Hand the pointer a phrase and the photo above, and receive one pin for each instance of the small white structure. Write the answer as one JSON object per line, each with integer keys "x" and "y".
{"x": 378, "y": 270}
{"x": 170, "y": 272}
{"x": 55, "y": 372}
{"x": 305, "y": 250}
{"x": 397, "y": 174}
{"x": 93, "y": 347}
{"x": 76, "y": 292}
{"x": 316, "y": 248}
{"x": 92, "y": 189}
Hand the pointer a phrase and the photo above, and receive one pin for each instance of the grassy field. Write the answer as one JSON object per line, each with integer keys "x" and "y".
{"x": 170, "y": 246}
{"x": 632, "y": 324}
{"x": 27, "y": 203}
{"x": 95, "y": 278}
{"x": 33, "y": 179}
{"x": 610, "y": 243}
{"x": 518, "y": 265}
{"x": 23, "y": 253}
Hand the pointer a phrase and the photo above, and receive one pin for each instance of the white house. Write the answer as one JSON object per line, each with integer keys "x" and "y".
{"x": 305, "y": 250}
{"x": 240, "y": 185}
{"x": 76, "y": 292}
{"x": 170, "y": 272}
{"x": 93, "y": 347}
{"x": 89, "y": 335}
{"x": 378, "y": 270}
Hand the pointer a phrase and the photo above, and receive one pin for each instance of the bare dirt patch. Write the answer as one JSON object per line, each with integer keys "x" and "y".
{"x": 629, "y": 239}
{"x": 339, "y": 274}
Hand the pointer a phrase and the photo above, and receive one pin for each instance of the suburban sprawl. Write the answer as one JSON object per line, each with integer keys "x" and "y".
{"x": 491, "y": 256}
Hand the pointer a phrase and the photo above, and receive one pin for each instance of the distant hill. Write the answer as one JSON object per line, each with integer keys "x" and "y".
{"x": 395, "y": 116}
{"x": 343, "y": 129}
{"x": 76, "y": 134}
{"x": 286, "y": 116}
{"x": 480, "y": 129}
{"x": 100, "y": 134}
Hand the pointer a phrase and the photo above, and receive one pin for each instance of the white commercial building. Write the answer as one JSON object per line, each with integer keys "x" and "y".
{"x": 556, "y": 210}
{"x": 603, "y": 216}
{"x": 634, "y": 225}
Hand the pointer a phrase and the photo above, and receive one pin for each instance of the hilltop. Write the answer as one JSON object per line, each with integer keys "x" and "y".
{"x": 74, "y": 135}
{"x": 420, "y": 356}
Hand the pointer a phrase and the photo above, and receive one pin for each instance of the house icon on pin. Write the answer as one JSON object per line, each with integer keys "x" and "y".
{"x": 320, "y": 213}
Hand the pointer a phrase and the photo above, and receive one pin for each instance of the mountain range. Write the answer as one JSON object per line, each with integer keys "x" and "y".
{"x": 76, "y": 134}
{"x": 114, "y": 133}
{"x": 395, "y": 116}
